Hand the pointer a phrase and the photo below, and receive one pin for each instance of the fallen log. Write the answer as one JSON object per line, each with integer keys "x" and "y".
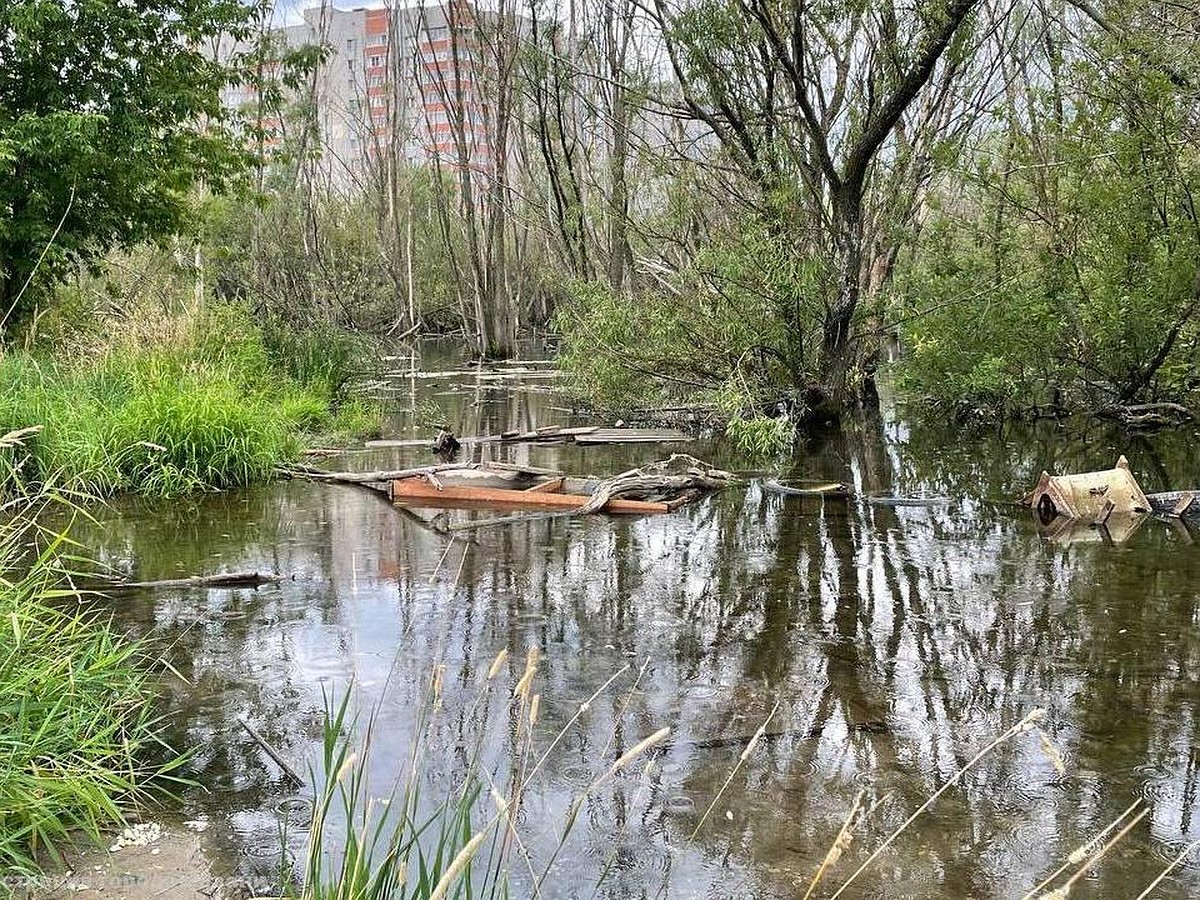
{"x": 677, "y": 477}
{"x": 314, "y": 474}
{"x": 1176, "y": 504}
{"x": 815, "y": 489}
{"x": 906, "y": 501}
{"x": 1147, "y": 415}
{"x": 223, "y": 579}
{"x": 633, "y": 436}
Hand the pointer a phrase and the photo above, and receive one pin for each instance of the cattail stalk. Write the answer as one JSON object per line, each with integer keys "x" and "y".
{"x": 1101, "y": 853}
{"x": 1081, "y": 852}
{"x": 749, "y": 748}
{"x": 839, "y": 845}
{"x": 499, "y": 661}
{"x": 1168, "y": 870}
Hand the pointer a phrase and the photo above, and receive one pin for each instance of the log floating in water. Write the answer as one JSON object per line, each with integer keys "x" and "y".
{"x": 1176, "y": 504}
{"x": 815, "y": 489}
{"x": 584, "y": 435}
{"x": 383, "y": 475}
{"x": 224, "y": 579}
{"x": 278, "y": 760}
{"x": 633, "y": 436}
{"x": 839, "y": 490}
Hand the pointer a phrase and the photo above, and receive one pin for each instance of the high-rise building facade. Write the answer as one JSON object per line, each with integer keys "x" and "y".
{"x": 397, "y": 82}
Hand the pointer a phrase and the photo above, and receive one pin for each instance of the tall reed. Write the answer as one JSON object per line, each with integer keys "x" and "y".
{"x": 407, "y": 845}
{"x": 77, "y": 721}
{"x": 198, "y": 402}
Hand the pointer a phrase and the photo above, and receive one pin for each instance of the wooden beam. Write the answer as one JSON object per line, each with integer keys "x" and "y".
{"x": 418, "y": 492}
{"x": 553, "y": 486}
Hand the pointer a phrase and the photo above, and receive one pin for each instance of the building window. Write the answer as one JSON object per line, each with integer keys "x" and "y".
{"x": 376, "y": 62}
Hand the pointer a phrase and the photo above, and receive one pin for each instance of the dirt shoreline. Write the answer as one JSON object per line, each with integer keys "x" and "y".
{"x": 163, "y": 862}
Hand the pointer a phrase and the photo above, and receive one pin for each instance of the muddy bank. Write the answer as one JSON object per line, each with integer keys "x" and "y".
{"x": 138, "y": 863}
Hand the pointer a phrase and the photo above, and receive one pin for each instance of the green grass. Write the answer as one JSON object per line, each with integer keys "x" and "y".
{"x": 77, "y": 725}
{"x": 184, "y": 404}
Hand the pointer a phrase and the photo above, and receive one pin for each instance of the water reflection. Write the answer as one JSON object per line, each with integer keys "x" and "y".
{"x": 896, "y": 640}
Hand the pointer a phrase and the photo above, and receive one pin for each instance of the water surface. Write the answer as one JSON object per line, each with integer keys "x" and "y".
{"x": 896, "y": 641}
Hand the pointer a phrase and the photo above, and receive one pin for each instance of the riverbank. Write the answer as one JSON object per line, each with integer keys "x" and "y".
{"x": 160, "y": 862}
{"x": 169, "y": 403}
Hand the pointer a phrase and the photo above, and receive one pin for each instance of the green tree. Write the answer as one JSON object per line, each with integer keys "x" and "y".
{"x": 110, "y": 115}
{"x": 809, "y": 102}
{"x": 1064, "y": 272}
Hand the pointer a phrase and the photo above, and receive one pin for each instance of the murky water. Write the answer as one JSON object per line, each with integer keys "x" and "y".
{"x": 897, "y": 642}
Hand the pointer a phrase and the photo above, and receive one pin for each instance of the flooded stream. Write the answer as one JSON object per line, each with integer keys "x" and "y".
{"x": 897, "y": 641}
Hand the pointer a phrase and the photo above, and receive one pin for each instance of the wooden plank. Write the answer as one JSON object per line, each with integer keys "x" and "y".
{"x": 428, "y": 442}
{"x": 1182, "y": 505}
{"x": 553, "y": 486}
{"x": 633, "y": 436}
{"x": 417, "y": 491}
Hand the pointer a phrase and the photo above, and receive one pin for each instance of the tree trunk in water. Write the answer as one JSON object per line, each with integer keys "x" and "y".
{"x": 837, "y": 352}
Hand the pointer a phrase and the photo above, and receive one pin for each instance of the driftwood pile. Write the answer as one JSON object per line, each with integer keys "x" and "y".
{"x": 675, "y": 481}
{"x": 672, "y": 483}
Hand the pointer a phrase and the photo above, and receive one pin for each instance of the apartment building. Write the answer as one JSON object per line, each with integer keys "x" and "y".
{"x": 396, "y": 82}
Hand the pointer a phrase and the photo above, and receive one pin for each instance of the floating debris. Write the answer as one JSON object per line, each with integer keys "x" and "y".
{"x": 1106, "y": 506}
{"x": 1089, "y": 496}
{"x": 655, "y": 488}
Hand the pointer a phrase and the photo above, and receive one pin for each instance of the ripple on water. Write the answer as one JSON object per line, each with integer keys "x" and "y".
{"x": 576, "y": 774}
{"x": 1017, "y": 839}
{"x": 1167, "y": 851}
{"x": 679, "y": 805}
{"x": 1157, "y": 782}
{"x": 322, "y": 651}
{"x": 297, "y": 812}
{"x": 1023, "y": 789}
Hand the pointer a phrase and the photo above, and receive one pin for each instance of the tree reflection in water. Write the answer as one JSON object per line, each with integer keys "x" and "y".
{"x": 897, "y": 640}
